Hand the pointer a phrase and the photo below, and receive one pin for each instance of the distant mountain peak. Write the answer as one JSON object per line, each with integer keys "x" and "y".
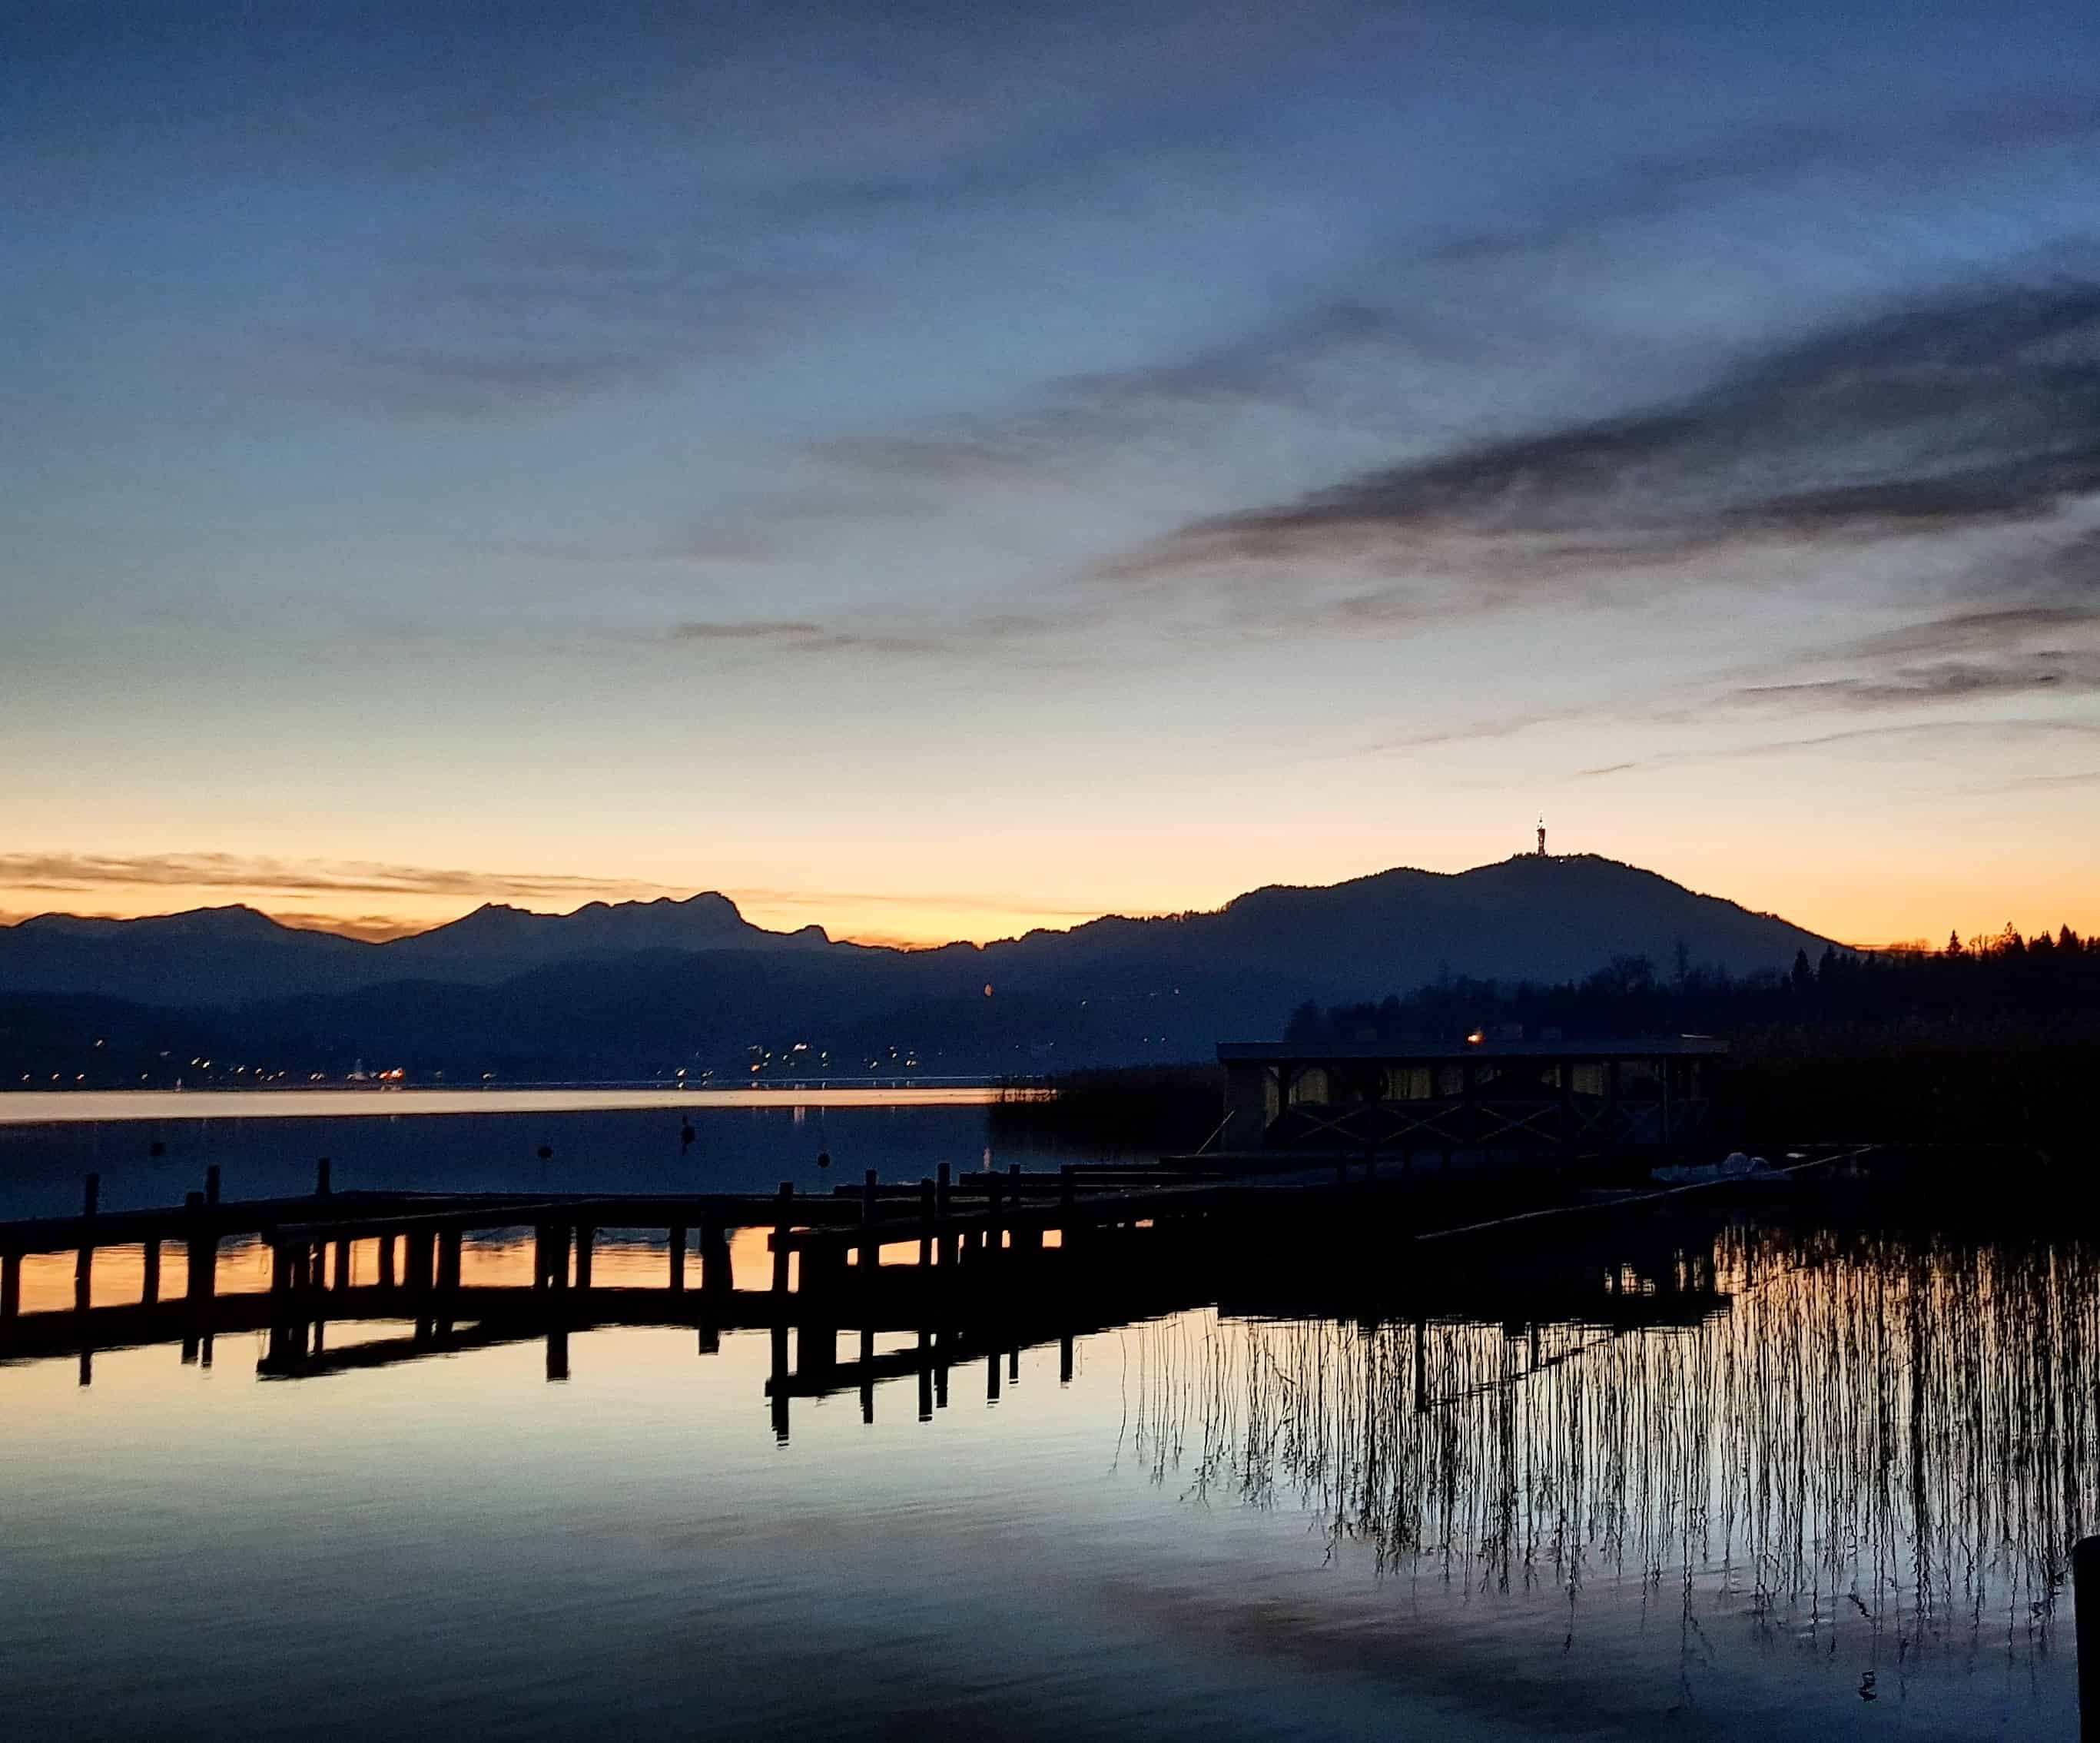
{"x": 1242, "y": 965}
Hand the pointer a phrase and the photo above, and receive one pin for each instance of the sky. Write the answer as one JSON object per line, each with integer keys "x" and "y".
{"x": 935, "y": 470}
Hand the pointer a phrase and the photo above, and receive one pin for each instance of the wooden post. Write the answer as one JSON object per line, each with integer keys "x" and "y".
{"x": 926, "y": 1224}
{"x": 823, "y": 1272}
{"x": 387, "y": 1261}
{"x": 992, "y": 1378}
{"x": 83, "y": 1265}
{"x": 586, "y": 1239}
{"x": 717, "y": 1277}
{"x": 677, "y": 1259}
{"x": 149, "y": 1292}
{"x": 421, "y": 1245}
{"x": 871, "y": 1249}
{"x": 1031, "y": 1238}
{"x": 783, "y": 1221}
{"x": 558, "y": 1256}
{"x": 448, "y": 1260}
{"x": 2086, "y": 1595}
{"x": 867, "y": 1382}
{"x": 925, "y": 1377}
{"x": 780, "y": 1368}
{"x": 995, "y": 1231}
{"x": 1065, "y": 1360}
{"x": 321, "y": 1187}
{"x": 557, "y": 1353}
{"x": 10, "y": 1285}
{"x": 211, "y": 1183}
{"x": 203, "y": 1252}
{"x": 343, "y": 1265}
{"x": 951, "y": 1244}
{"x": 280, "y": 1269}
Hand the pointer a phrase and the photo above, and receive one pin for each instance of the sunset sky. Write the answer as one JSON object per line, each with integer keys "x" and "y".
{"x": 935, "y": 470}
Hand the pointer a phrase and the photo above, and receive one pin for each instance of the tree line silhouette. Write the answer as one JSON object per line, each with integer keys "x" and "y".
{"x": 1989, "y": 986}
{"x": 1987, "y": 1043}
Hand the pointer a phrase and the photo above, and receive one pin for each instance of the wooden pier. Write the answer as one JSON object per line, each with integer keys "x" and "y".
{"x": 969, "y": 1268}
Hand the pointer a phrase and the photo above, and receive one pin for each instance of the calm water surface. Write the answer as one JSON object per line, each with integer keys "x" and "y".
{"x": 150, "y": 1148}
{"x": 1838, "y": 1506}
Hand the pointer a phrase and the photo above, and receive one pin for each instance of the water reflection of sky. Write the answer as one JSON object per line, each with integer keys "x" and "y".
{"x": 1856, "y": 1479}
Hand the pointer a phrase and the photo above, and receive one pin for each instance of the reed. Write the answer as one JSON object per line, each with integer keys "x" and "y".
{"x": 1876, "y": 1433}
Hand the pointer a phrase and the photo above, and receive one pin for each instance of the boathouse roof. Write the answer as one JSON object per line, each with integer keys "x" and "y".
{"x": 1636, "y": 1047}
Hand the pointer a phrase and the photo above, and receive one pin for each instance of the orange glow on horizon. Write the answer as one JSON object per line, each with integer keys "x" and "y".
{"x": 1861, "y": 908}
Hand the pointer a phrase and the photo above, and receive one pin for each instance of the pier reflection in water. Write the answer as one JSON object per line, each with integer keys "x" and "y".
{"x": 1768, "y": 1483}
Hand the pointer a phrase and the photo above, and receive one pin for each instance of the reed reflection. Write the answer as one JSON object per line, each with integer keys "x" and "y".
{"x": 1870, "y": 1434}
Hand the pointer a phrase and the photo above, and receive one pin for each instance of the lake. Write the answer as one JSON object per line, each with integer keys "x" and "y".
{"x": 1836, "y": 1500}
{"x": 151, "y": 1147}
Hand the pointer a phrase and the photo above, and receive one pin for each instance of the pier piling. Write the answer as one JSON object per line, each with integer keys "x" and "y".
{"x": 782, "y": 1223}
{"x": 422, "y": 1247}
{"x": 203, "y": 1252}
{"x": 717, "y": 1279}
{"x": 871, "y": 1248}
{"x": 83, "y": 1265}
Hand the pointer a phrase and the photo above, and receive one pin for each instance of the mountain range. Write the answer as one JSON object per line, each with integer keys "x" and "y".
{"x": 624, "y": 989}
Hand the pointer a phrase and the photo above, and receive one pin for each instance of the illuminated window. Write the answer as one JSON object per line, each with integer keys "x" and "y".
{"x": 1310, "y": 1086}
{"x": 1408, "y": 1083}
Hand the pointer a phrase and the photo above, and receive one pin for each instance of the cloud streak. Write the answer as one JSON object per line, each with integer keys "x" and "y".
{"x": 84, "y": 873}
{"x": 1999, "y": 731}
{"x": 807, "y": 636}
{"x": 1979, "y": 411}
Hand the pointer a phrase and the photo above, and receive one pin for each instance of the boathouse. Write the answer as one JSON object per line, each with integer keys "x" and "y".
{"x": 1475, "y": 1098}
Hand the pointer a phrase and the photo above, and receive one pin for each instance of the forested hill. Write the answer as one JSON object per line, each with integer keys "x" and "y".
{"x": 636, "y": 989}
